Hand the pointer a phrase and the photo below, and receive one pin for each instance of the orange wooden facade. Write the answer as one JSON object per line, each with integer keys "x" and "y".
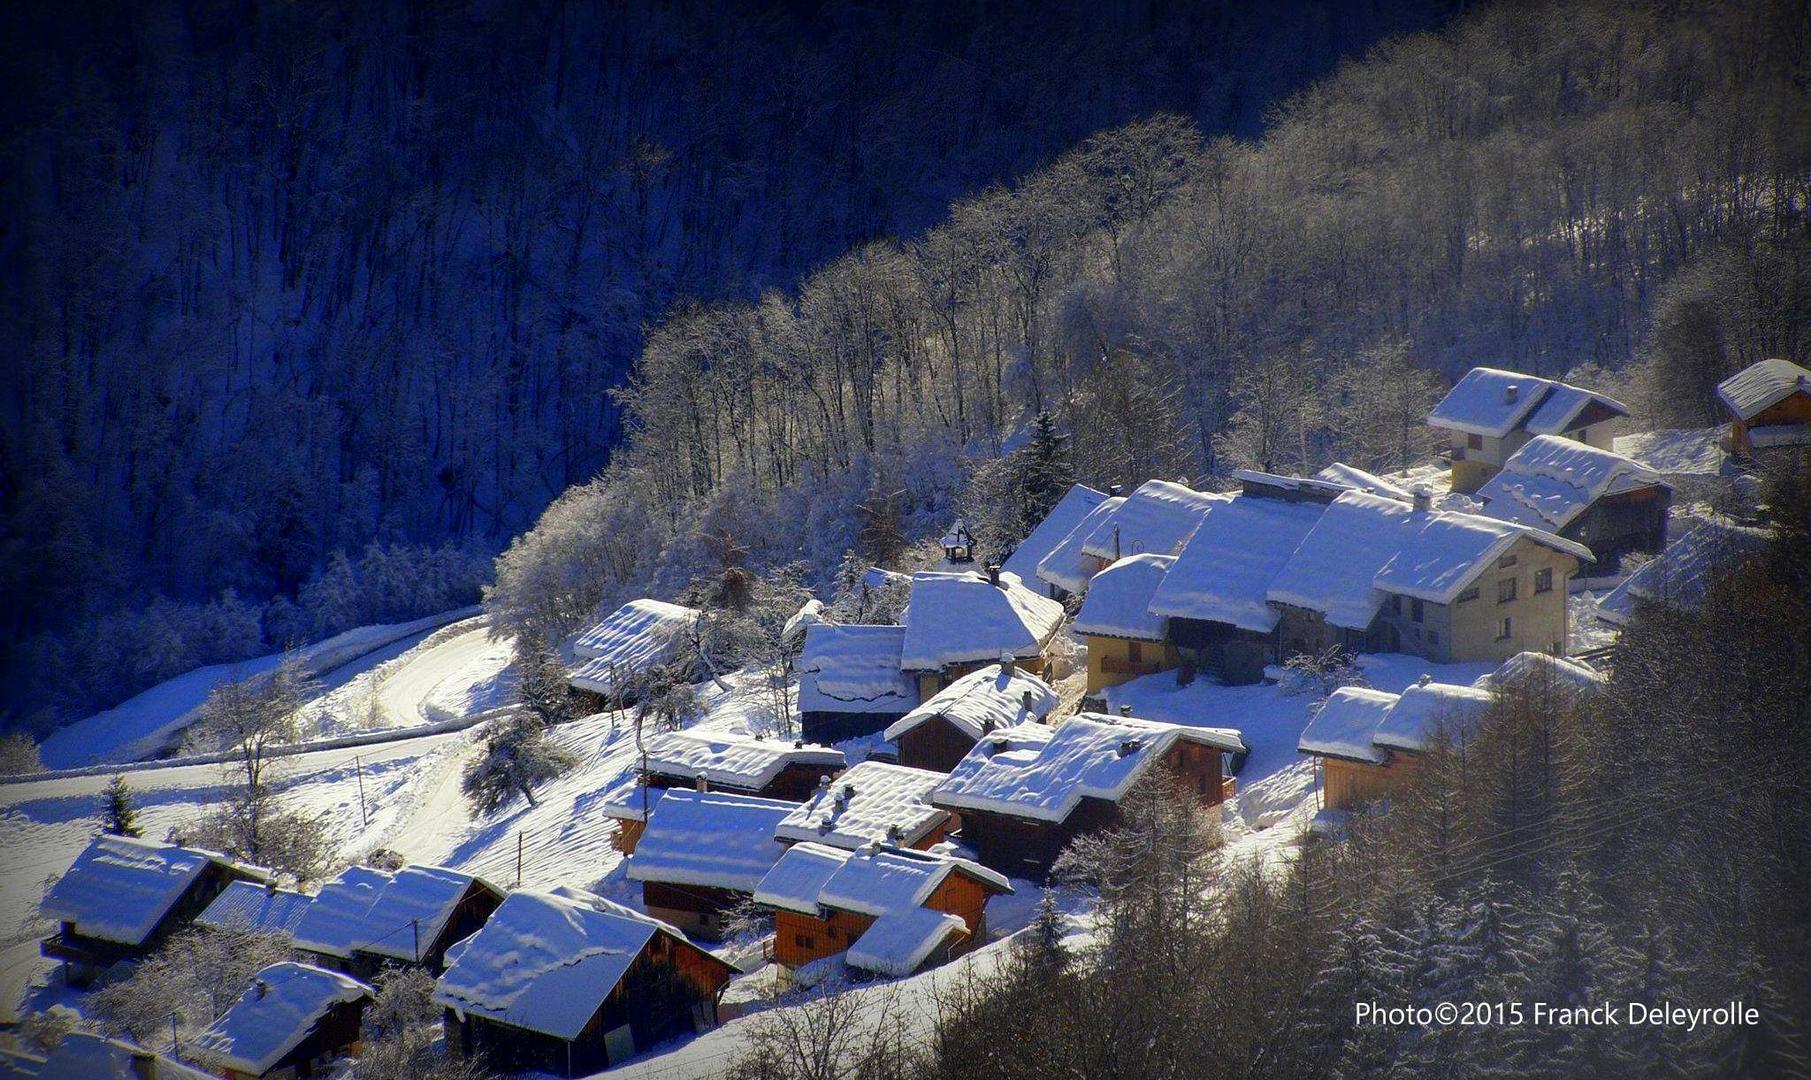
{"x": 801, "y": 939}
{"x": 1347, "y": 785}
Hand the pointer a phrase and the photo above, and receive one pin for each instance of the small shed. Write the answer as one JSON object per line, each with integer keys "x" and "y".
{"x": 293, "y": 1021}
{"x": 828, "y": 900}
{"x": 258, "y": 907}
{"x": 334, "y": 920}
{"x": 568, "y": 983}
{"x": 850, "y": 682}
{"x": 702, "y": 853}
{"x": 1769, "y": 406}
{"x": 633, "y": 639}
{"x": 1609, "y": 503}
{"x": 1125, "y": 639}
{"x": 874, "y": 802}
{"x": 420, "y": 913}
{"x": 956, "y": 623}
{"x": 937, "y": 734}
{"x": 1025, "y": 792}
{"x": 123, "y": 897}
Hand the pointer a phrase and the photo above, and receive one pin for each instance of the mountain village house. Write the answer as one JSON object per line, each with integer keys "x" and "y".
{"x": 939, "y": 733}
{"x": 1125, "y": 639}
{"x": 1679, "y": 577}
{"x": 1769, "y": 406}
{"x": 1366, "y": 741}
{"x": 888, "y": 911}
{"x": 334, "y": 921}
{"x": 257, "y": 907}
{"x": 850, "y": 682}
{"x": 732, "y": 764}
{"x": 704, "y": 852}
{"x": 293, "y": 1021}
{"x": 1489, "y": 414}
{"x": 875, "y": 802}
{"x": 1156, "y": 519}
{"x": 956, "y": 623}
{"x": 1075, "y": 505}
{"x": 80, "y": 1056}
{"x": 1025, "y": 792}
{"x": 419, "y": 914}
{"x": 1609, "y": 503}
{"x": 567, "y": 983}
{"x": 123, "y": 897}
{"x": 609, "y": 657}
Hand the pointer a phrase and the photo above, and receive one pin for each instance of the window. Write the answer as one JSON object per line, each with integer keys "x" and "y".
{"x": 1504, "y": 636}
{"x": 1469, "y": 594}
{"x": 1134, "y": 652}
{"x": 1474, "y": 442}
{"x": 1505, "y": 590}
{"x": 1506, "y": 562}
{"x": 803, "y": 941}
{"x": 1543, "y": 580}
{"x": 1415, "y": 610}
{"x": 1433, "y": 637}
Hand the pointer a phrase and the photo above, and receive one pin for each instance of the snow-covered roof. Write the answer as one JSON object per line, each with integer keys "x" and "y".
{"x": 1541, "y": 671}
{"x": 709, "y": 839}
{"x": 992, "y": 697}
{"x": 1345, "y": 724}
{"x": 1157, "y": 518}
{"x": 898, "y": 942}
{"x": 84, "y": 1056}
{"x": 1680, "y": 575}
{"x": 1492, "y": 402}
{"x": 739, "y": 761}
{"x": 275, "y": 1014}
{"x": 251, "y": 905}
{"x": 1226, "y": 569}
{"x": 876, "y": 578}
{"x": 865, "y": 804}
{"x": 1450, "y": 549}
{"x": 546, "y": 961}
{"x": 1036, "y": 771}
{"x": 417, "y": 897}
{"x": 335, "y": 919}
{"x": 958, "y": 618}
{"x": 1334, "y": 568}
{"x": 872, "y": 880}
{"x": 854, "y": 669}
{"x": 1066, "y": 566}
{"x": 1357, "y": 479}
{"x": 635, "y": 637}
{"x": 1550, "y": 481}
{"x": 120, "y": 888}
{"x": 1060, "y": 522}
{"x": 1428, "y": 707}
{"x": 1119, "y": 599}
{"x": 1761, "y": 386}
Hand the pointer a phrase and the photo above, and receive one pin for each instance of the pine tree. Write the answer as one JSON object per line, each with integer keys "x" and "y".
{"x": 1045, "y": 471}
{"x": 1044, "y": 952}
{"x": 119, "y": 812}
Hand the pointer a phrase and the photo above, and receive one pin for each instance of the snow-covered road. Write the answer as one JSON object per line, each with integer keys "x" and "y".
{"x": 467, "y": 667}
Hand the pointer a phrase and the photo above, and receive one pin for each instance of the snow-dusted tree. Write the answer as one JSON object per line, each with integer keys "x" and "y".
{"x": 1279, "y": 414}
{"x": 19, "y": 754}
{"x": 542, "y": 688}
{"x": 119, "y": 810}
{"x": 1377, "y": 409}
{"x": 834, "y": 1036}
{"x": 517, "y": 757}
{"x": 193, "y": 978}
{"x": 400, "y": 1028}
{"x": 1044, "y": 469}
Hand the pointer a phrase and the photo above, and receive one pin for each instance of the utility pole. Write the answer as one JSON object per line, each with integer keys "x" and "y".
{"x": 359, "y": 768}
{"x": 518, "y": 858}
{"x": 416, "y": 924}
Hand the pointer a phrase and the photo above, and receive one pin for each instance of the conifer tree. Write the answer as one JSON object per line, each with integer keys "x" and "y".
{"x": 1045, "y": 471}
{"x": 119, "y": 811}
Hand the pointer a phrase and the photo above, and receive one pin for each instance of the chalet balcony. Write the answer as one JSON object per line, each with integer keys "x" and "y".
{"x": 1229, "y": 786}
{"x": 1116, "y": 665}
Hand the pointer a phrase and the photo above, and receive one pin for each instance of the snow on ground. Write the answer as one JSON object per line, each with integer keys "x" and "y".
{"x": 1676, "y": 452}
{"x": 143, "y": 725}
{"x": 463, "y": 673}
{"x": 1585, "y": 632}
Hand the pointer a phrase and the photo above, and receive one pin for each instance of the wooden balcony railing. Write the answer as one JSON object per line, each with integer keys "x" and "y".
{"x": 1116, "y": 665}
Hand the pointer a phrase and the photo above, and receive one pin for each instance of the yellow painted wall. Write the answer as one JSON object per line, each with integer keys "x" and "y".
{"x": 1469, "y": 629}
{"x": 1110, "y": 660}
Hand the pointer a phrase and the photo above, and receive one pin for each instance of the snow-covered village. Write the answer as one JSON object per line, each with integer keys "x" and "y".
{"x": 1296, "y": 564}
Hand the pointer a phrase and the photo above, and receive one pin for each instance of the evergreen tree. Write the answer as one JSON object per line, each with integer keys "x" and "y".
{"x": 1044, "y": 952}
{"x": 517, "y": 757}
{"x": 1045, "y": 471}
{"x": 543, "y": 689}
{"x": 119, "y": 812}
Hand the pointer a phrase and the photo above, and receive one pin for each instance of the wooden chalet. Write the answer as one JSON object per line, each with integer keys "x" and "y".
{"x": 1156, "y": 519}
{"x": 1769, "y": 406}
{"x": 1075, "y": 505}
{"x": 1025, "y": 792}
{"x": 294, "y": 1020}
{"x": 1598, "y": 498}
{"x": 1490, "y": 414}
{"x": 609, "y": 657}
{"x": 334, "y": 922}
{"x": 875, "y": 802}
{"x": 719, "y": 762}
{"x": 939, "y": 733}
{"x": 568, "y": 984}
{"x": 1125, "y": 640}
{"x": 702, "y": 853}
{"x": 421, "y": 912}
{"x": 1366, "y": 741}
{"x": 957, "y": 623}
{"x": 850, "y": 682}
{"x": 892, "y": 911}
{"x": 123, "y": 897}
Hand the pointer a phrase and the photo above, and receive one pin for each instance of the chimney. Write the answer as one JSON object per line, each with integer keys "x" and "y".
{"x": 798, "y": 744}
{"x": 1125, "y": 710}
{"x": 848, "y": 791}
{"x": 704, "y": 784}
{"x": 993, "y": 574}
{"x": 1424, "y": 680}
{"x": 895, "y": 834}
{"x": 270, "y": 886}
{"x": 1115, "y": 490}
{"x": 1025, "y": 701}
{"x": 260, "y": 987}
{"x": 1128, "y": 747}
{"x": 1424, "y": 500}
{"x": 1511, "y": 393}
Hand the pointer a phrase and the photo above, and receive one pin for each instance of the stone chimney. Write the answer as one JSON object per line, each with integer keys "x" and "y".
{"x": 1424, "y": 680}
{"x": 1424, "y": 500}
{"x": 1125, "y": 710}
{"x": 704, "y": 784}
{"x": 1025, "y": 701}
{"x": 993, "y": 574}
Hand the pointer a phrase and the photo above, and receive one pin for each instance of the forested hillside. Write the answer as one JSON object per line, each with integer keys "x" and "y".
{"x": 1614, "y": 186}
{"x": 281, "y": 281}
